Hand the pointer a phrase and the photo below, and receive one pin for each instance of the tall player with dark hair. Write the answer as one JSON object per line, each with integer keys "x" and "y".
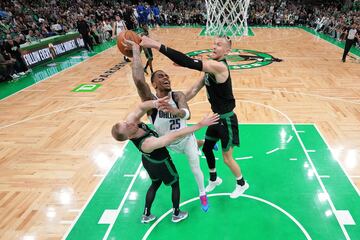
{"x": 171, "y": 118}
{"x": 217, "y": 81}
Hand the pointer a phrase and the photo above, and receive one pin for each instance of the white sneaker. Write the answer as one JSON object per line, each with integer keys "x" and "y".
{"x": 15, "y": 75}
{"x": 21, "y": 73}
{"x": 212, "y": 184}
{"x": 239, "y": 190}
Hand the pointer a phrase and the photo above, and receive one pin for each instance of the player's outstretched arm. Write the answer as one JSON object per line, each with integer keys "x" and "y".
{"x": 143, "y": 108}
{"x": 194, "y": 89}
{"x": 181, "y": 59}
{"x": 142, "y": 87}
{"x": 150, "y": 144}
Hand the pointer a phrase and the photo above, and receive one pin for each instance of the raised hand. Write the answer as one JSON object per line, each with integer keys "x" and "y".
{"x": 159, "y": 103}
{"x": 209, "y": 119}
{"x": 147, "y": 42}
{"x": 130, "y": 44}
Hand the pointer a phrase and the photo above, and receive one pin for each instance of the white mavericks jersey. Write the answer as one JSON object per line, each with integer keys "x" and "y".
{"x": 165, "y": 123}
{"x": 119, "y": 26}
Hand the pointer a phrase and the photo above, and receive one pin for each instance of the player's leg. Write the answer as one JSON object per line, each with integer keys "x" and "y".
{"x": 201, "y": 142}
{"x": 171, "y": 177}
{"x": 211, "y": 137}
{"x": 151, "y": 60}
{"x": 347, "y": 48}
{"x": 229, "y": 139}
{"x": 150, "y": 196}
{"x": 175, "y": 196}
{"x": 191, "y": 151}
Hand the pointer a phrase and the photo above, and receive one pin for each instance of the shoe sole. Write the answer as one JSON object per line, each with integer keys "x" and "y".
{"x": 246, "y": 188}
{"x": 142, "y": 221}
{"x": 214, "y": 186}
{"x": 205, "y": 208}
{"x": 180, "y": 219}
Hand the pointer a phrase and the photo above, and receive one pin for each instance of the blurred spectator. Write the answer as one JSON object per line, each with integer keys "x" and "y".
{"x": 84, "y": 30}
{"x": 32, "y": 20}
{"x": 7, "y": 70}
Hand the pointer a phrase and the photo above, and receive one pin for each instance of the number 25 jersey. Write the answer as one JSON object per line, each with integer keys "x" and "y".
{"x": 165, "y": 123}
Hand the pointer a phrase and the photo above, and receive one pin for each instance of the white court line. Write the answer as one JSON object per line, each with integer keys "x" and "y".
{"x": 129, "y": 175}
{"x": 300, "y": 131}
{"x": 274, "y": 150}
{"x": 321, "y": 184}
{"x": 93, "y": 193}
{"x": 109, "y": 216}
{"x": 65, "y": 109}
{"x": 227, "y": 194}
{"x": 66, "y": 222}
{"x": 344, "y": 217}
{"x": 324, "y": 176}
{"x": 293, "y": 92}
{"x": 34, "y": 90}
{"x": 74, "y": 210}
{"x": 205, "y": 157}
{"x": 62, "y": 71}
{"x": 339, "y": 162}
{"x": 118, "y": 210}
{"x": 311, "y": 151}
{"x": 289, "y": 139}
{"x": 243, "y": 158}
{"x": 98, "y": 175}
{"x": 293, "y": 159}
{"x": 307, "y": 155}
{"x": 254, "y": 123}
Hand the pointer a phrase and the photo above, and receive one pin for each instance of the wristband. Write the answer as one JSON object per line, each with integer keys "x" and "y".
{"x": 187, "y": 113}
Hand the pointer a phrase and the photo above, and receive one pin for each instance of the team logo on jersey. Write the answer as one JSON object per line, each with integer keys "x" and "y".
{"x": 239, "y": 58}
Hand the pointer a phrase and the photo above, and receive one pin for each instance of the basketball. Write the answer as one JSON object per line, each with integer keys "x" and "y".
{"x": 128, "y": 35}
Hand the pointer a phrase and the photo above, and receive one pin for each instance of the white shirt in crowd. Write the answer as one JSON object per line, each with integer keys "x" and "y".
{"x": 352, "y": 33}
{"x": 119, "y": 26}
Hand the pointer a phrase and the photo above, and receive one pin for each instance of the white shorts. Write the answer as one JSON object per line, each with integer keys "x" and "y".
{"x": 188, "y": 146}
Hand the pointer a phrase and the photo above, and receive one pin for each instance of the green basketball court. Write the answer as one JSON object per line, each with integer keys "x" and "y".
{"x": 297, "y": 191}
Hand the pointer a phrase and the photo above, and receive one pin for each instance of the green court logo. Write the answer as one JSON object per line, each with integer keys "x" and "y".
{"x": 86, "y": 88}
{"x": 240, "y": 58}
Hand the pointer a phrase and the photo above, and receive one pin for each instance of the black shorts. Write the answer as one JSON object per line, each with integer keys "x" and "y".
{"x": 148, "y": 53}
{"x": 163, "y": 170}
{"x": 226, "y": 130}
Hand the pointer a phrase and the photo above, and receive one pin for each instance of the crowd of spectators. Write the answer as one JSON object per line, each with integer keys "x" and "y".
{"x": 28, "y": 21}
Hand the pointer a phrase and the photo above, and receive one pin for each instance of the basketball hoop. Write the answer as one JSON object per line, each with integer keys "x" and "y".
{"x": 227, "y": 18}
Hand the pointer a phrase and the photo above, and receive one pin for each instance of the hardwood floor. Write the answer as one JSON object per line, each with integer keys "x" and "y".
{"x": 56, "y": 144}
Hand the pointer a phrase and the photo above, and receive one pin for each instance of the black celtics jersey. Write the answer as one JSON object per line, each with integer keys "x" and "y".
{"x": 220, "y": 95}
{"x": 157, "y": 154}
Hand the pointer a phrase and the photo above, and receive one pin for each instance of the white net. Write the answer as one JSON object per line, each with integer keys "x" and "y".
{"x": 227, "y": 17}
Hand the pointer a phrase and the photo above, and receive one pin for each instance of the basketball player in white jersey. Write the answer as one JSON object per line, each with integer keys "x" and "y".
{"x": 119, "y": 26}
{"x": 171, "y": 119}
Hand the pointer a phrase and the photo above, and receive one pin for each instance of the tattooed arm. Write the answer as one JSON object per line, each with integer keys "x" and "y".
{"x": 142, "y": 87}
